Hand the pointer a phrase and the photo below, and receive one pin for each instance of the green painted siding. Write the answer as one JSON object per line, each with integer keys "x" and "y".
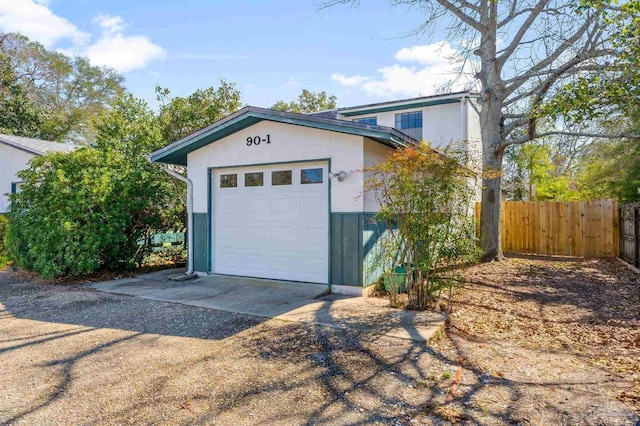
{"x": 200, "y": 242}
{"x": 373, "y": 233}
{"x": 346, "y": 249}
{"x": 355, "y": 249}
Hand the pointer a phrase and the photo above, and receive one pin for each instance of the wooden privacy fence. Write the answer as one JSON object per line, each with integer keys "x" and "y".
{"x": 576, "y": 228}
{"x": 630, "y": 233}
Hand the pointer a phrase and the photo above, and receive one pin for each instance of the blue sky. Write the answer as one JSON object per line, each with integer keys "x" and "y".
{"x": 270, "y": 49}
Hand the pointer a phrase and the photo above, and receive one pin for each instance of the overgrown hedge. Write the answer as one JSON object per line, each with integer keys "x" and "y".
{"x": 86, "y": 211}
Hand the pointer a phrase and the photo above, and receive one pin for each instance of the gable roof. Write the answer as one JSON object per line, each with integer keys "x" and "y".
{"x": 176, "y": 153}
{"x": 35, "y": 146}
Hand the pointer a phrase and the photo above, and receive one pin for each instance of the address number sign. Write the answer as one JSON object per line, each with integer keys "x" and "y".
{"x": 257, "y": 139}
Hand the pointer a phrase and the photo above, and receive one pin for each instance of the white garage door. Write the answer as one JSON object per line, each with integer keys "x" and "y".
{"x": 272, "y": 222}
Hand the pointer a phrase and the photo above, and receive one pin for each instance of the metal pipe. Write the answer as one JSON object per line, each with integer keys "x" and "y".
{"x": 189, "y": 216}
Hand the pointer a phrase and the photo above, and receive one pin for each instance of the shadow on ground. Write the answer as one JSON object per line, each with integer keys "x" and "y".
{"x": 102, "y": 358}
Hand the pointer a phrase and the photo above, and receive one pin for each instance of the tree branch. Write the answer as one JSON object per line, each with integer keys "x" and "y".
{"x": 515, "y": 42}
{"x": 527, "y": 138}
{"x": 569, "y": 42}
{"x": 460, "y": 14}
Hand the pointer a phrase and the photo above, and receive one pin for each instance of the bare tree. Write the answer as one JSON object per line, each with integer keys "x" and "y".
{"x": 525, "y": 52}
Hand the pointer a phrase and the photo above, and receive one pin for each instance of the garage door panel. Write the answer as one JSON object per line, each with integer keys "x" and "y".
{"x": 278, "y": 232}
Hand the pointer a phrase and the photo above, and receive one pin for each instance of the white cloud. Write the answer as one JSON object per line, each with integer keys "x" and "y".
{"x": 34, "y": 20}
{"x": 110, "y": 24}
{"x": 119, "y": 51}
{"x": 113, "y": 48}
{"x": 440, "y": 53}
{"x": 438, "y": 65}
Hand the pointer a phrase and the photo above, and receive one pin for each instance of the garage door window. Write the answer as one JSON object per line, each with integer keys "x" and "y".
{"x": 254, "y": 179}
{"x": 282, "y": 177}
{"x": 308, "y": 176}
{"x": 229, "y": 181}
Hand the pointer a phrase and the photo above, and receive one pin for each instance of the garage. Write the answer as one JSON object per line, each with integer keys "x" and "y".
{"x": 281, "y": 196}
{"x": 272, "y": 221}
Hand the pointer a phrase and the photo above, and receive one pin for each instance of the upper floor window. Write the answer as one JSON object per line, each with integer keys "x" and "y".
{"x": 410, "y": 123}
{"x": 367, "y": 120}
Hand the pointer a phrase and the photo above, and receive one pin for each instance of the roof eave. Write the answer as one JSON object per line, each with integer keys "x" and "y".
{"x": 176, "y": 153}
{"x": 21, "y": 147}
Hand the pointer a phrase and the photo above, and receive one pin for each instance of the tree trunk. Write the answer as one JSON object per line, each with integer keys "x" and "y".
{"x": 491, "y": 99}
{"x": 490, "y": 229}
{"x": 491, "y": 119}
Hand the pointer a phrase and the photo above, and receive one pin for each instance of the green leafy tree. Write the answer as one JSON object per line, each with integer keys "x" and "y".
{"x": 609, "y": 101}
{"x": 610, "y": 170}
{"x": 95, "y": 208}
{"x": 180, "y": 116}
{"x": 307, "y": 102}
{"x": 70, "y": 90}
{"x": 534, "y": 173}
{"x": 18, "y": 114}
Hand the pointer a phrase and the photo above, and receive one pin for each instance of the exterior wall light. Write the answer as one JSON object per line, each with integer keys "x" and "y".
{"x": 342, "y": 175}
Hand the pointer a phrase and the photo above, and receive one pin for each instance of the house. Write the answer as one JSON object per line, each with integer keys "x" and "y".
{"x": 15, "y": 154}
{"x": 278, "y": 195}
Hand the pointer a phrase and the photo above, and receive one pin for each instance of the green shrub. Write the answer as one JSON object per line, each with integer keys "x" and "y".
{"x": 86, "y": 211}
{"x": 425, "y": 199}
{"x": 89, "y": 210}
{"x": 4, "y": 224}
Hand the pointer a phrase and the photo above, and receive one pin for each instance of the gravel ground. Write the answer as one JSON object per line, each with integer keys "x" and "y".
{"x": 76, "y": 356}
{"x": 70, "y": 355}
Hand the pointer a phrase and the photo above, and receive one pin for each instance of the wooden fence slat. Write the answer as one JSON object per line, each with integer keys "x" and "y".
{"x": 577, "y": 228}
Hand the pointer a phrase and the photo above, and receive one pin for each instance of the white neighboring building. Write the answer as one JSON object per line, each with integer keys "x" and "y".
{"x": 278, "y": 195}
{"x": 15, "y": 154}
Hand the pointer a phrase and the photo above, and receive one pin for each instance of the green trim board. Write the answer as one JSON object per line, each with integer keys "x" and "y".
{"x": 423, "y": 104}
{"x": 276, "y": 163}
{"x": 14, "y": 186}
{"x": 176, "y": 153}
{"x": 200, "y": 246}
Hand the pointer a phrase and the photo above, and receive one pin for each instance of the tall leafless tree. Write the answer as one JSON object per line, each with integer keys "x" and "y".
{"x": 525, "y": 52}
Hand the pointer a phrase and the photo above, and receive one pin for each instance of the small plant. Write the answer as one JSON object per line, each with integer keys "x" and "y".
{"x": 425, "y": 200}
{"x": 446, "y": 374}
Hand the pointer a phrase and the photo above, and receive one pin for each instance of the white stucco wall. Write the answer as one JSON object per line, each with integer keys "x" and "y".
{"x": 289, "y": 143}
{"x": 441, "y": 124}
{"x": 474, "y": 143}
{"x": 374, "y": 154}
{"x": 12, "y": 160}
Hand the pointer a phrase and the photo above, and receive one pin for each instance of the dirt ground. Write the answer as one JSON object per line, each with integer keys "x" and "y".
{"x": 555, "y": 341}
{"x": 531, "y": 342}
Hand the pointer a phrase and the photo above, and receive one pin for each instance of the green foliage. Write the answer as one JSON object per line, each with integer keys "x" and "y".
{"x": 95, "y": 208}
{"x": 18, "y": 114}
{"x": 70, "y": 90}
{"x": 179, "y": 117}
{"x": 307, "y": 102}
{"x": 614, "y": 92}
{"x": 4, "y": 227}
{"x": 611, "y": 170}
{"x": 425, "y": 201}
{"x": 534, "y": 173}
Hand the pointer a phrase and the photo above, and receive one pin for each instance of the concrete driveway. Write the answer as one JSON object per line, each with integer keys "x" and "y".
{"x": 289, "y": 301}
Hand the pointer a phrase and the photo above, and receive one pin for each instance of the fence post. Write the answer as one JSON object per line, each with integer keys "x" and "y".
{"x": 636, "y": 232}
